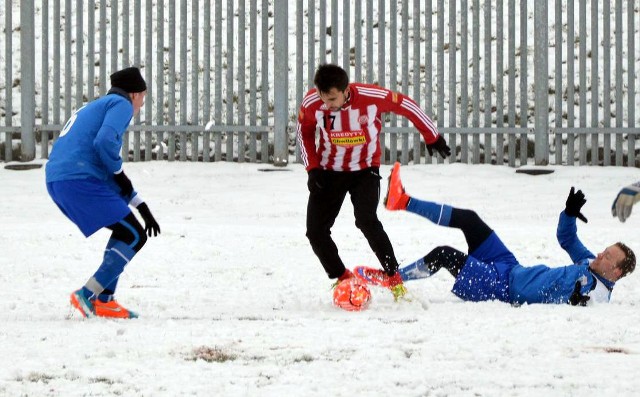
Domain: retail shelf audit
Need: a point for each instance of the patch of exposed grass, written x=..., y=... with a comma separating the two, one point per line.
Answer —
x=35, y=377
x=102, y=379
x=304, y=358
x=211, y=354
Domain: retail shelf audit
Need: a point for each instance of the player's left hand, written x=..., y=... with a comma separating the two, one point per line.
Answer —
x=440, y=146
x=577, y=299
x=150, y=224
x=574, y=203
x=126, y=188
x=626, y=198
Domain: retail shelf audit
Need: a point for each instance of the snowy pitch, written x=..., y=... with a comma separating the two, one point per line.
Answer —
x=233, y=302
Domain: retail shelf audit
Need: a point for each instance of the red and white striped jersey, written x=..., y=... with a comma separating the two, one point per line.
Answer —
x=350, y=137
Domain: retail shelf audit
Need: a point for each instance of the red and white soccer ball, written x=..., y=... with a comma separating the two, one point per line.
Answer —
x=351, y=295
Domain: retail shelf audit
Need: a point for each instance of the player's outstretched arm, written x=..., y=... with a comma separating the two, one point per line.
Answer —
x=567, y=232
x=626, y=198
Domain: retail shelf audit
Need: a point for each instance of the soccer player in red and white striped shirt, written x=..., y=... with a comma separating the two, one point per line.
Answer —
x=347, y=160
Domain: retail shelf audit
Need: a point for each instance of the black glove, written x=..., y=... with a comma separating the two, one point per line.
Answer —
x=316, y=181
x=576, y=299
x=575, y=201
x=150, y=224
x=440, y=146
x=126, y=188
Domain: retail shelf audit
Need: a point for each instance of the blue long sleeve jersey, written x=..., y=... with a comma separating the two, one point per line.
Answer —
x=90, y=143
x=542, y=284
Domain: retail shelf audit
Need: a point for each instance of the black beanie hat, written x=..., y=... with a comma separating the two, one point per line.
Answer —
x=129, y=79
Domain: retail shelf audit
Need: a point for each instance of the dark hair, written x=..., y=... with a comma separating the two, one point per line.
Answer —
x=330, y=76
x=628, y=264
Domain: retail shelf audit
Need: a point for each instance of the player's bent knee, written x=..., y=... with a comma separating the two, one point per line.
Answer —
x=142, y=240
x=470, y=216
x=316, y=235
x=445, y=256
x=369, y=225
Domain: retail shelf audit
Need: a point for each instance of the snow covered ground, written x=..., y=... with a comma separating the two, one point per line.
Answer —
x=233, y=302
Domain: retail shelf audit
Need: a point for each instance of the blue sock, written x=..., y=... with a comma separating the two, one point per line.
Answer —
x=439, y=214
x=109, y=291
x=415, y=271
x=105, y=297
x=116, y=257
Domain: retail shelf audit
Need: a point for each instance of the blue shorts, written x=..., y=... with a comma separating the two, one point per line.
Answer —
x=485, y=275
x=89, y=203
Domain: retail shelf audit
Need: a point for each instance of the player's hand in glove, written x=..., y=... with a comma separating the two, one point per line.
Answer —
x=316, y=181
x=440, y=146
x=150, y=223
x=126, y=188
x=575, y=201
x=576, y=299
x=626, y=198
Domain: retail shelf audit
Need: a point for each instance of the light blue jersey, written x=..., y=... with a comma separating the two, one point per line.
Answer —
x=83, y=161
x=543, y=284
x=90, y=143
x=492, y=272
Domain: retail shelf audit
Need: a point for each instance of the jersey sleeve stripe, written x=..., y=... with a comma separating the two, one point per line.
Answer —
x=373, y=95
x=310, y=99
x=304, y=156
x=421, y=115
x=373, y=91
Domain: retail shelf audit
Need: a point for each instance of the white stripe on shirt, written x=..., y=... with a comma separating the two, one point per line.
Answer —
x=372, y=92
x=310, y=99
x=410, y=106
x=372, y=111
x=354, y=125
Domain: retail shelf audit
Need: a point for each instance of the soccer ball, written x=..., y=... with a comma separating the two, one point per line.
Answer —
x=351, y=295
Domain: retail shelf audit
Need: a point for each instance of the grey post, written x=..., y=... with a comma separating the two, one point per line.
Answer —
x=541, y=82
x=281, y=100
x=27, y=80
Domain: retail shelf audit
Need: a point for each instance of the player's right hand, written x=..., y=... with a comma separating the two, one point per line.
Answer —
x=316, y=181
x=626, y=198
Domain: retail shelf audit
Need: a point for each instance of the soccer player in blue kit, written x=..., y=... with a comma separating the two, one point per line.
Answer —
x=491, y=272
x=85, y=179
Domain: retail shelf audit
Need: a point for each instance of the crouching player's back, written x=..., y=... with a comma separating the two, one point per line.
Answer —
x=99, y=125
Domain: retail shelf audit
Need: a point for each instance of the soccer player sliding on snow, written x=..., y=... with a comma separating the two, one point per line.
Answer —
x=347, y=160
x=86, y=181
x=491, y=272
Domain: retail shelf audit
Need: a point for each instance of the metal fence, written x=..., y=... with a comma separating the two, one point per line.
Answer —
x=508, y=82
x=206, y=63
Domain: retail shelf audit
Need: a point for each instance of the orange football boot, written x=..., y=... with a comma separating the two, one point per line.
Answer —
x=379, y=277
x=396, y=198
x=84, y=305
x=112, y=309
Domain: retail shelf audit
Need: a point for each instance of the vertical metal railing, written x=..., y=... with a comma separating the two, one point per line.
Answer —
x=470, y=64
x=172, y=44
